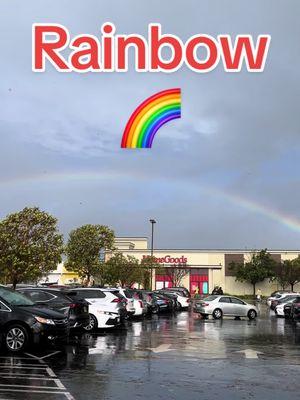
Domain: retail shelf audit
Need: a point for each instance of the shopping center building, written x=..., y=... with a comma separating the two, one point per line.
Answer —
x=204, y=268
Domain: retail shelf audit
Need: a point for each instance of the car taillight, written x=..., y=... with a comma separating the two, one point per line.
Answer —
x=116, y=300
x=141, y=303
x=74, y=305
x=205, y=304
x=187, y=300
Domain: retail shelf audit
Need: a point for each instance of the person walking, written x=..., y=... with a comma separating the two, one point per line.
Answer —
x=258, y=295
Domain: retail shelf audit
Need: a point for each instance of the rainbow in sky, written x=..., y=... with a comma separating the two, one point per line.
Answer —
x=149, y=116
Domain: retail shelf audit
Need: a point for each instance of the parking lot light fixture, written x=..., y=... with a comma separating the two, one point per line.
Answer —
x=152, y=221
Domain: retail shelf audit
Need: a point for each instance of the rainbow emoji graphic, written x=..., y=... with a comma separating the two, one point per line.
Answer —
x=149, y=116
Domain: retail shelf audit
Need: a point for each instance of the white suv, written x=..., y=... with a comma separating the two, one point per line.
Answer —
x=103, y=300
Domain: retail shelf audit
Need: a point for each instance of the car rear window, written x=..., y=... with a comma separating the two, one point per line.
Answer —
x=90, y=294
x=117, y=294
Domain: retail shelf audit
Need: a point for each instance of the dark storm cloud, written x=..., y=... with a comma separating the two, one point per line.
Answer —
x=239, y=133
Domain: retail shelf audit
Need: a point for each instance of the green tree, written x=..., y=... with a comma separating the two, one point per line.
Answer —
x=122, y=270
x=84, y=248
x=30, y=246
x=260, y=267
x=148, y=264
x=292, y=271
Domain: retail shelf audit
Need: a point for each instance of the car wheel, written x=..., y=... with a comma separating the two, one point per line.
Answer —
x=217, y=314
x=252, y=314
x=92, y=326
x=16, y=338
x=155, y=310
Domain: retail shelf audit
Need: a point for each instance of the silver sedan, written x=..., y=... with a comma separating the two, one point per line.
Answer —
x=219, y=306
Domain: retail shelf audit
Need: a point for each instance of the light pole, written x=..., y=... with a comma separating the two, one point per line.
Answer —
x=152, y=221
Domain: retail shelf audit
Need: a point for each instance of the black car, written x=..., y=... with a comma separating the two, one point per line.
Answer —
x=287, y=310
x=295, y=310
x=23, y=323
x=164, y=303
x=180, y=289
x=172, y=296
x=61, y=300
x=149, y=298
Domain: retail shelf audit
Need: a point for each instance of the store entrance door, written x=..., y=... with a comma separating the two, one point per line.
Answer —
x=199, y=281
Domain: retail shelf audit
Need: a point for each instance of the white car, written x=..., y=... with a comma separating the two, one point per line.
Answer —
x=101, y=317
x=276, y=295
x=219, y=306
x=279, y=309
x=103, y=299
x=130, y=307
x=183, y=301
x=272, y=301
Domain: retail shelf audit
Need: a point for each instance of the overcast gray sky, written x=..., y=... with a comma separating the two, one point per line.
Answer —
x=224, y=176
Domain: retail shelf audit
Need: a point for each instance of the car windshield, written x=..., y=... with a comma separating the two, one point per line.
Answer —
x=14, y=298
x=210, y=298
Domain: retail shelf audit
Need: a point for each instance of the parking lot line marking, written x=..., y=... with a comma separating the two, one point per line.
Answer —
x=35, y=357
x=49, y=355
x=59, y=384
x=4, y=385
x=69, y=396
x=25, y=365
x=32, y=377
x=66, y=394
x=39, y=368
x=50, y=372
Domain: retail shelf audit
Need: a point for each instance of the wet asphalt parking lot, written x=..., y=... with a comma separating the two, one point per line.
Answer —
x=166, y=357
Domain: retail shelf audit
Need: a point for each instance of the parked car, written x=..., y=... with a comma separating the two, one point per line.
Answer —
x=102, y=316
x=181, y=289
x=149, y=300
x=164, y=303
x=127, y=295
x=23, y=323
x=220, y=306
x=61, y=300
x=275, y=301
x=279, y=309
x=276, y=295
x=287, y=309
x=183, y=301
x=107, y=297
x=295, y=310
x=173, y=296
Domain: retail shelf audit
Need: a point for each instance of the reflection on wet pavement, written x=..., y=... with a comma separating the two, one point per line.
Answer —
x=180, y=356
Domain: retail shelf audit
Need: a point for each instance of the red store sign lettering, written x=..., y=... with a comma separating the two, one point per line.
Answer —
x=169, y=260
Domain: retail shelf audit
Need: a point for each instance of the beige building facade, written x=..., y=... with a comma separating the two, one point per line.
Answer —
x=205, y=269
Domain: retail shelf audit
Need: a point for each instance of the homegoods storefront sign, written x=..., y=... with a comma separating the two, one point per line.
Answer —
x=195, y=279
x=169, y=260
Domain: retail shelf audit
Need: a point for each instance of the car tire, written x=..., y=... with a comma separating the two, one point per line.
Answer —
x=252, y=314
x=217, y=314
x=16, y=338
x=93, y=325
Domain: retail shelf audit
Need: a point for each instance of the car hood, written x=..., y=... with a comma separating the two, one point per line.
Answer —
x=42, y=312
